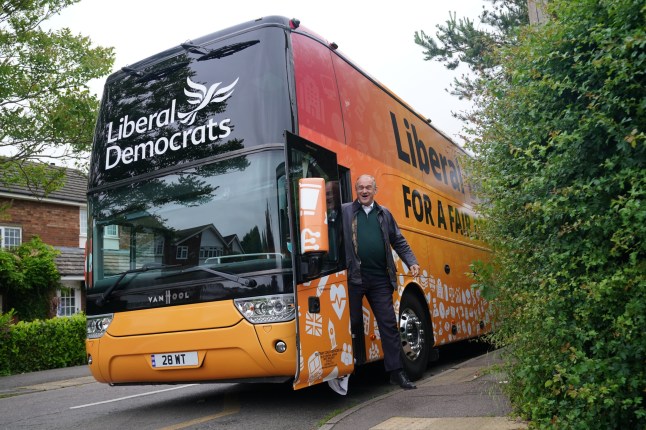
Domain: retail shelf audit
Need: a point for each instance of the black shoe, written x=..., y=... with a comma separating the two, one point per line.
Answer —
x=398, y=377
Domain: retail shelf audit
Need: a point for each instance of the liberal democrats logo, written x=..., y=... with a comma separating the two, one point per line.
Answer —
x=209, y=130
x=202, y=97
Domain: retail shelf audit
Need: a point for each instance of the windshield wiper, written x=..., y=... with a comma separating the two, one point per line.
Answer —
x=145, y=268
x=248, y=283
x=225, y=51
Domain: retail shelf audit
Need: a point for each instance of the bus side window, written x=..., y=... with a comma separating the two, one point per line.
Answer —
x=345, y=184
x=337, y=192
x=333, y=201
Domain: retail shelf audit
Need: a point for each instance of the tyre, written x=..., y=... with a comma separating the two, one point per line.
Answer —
x=416, y=336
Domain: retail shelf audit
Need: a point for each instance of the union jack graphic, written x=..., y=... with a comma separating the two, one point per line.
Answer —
x=313, y=324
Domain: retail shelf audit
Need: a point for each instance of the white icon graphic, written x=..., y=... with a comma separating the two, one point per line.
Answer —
x=315, y=367
x=313, y=324
x=338, y=297
x=203, y=97
x=424, y=279
x=309, y=197
x=346, y=355
x=331, y=332
x=376, y=327
x=309, y=243
x=373, y=352
x=366, y=321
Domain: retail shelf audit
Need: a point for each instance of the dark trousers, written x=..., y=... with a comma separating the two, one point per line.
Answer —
x=379, y=292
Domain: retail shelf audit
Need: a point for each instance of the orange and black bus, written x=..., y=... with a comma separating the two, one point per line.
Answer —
x=215, y=250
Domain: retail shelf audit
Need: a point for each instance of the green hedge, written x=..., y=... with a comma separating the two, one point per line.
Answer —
x=561, y=168
x=41, y=344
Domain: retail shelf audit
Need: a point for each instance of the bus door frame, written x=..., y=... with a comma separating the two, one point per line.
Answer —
x=323, y=335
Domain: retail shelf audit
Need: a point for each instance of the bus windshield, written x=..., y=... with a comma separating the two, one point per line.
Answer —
x=221, y=221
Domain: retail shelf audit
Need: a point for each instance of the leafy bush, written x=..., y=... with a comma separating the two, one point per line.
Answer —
x=29, y=278
x=6, y=322
x=41, y=344
x=561, y=162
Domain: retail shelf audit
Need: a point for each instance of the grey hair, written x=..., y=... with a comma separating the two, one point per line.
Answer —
x=372, y=178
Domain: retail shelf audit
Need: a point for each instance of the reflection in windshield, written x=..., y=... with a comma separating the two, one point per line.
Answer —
x=222, y=216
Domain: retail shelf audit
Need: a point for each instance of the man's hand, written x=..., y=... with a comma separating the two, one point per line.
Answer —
x=414, y=270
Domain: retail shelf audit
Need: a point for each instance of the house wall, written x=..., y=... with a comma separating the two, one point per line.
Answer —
x=56, y=224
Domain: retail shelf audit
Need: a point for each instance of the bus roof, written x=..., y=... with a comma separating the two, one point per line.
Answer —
x=287, y=23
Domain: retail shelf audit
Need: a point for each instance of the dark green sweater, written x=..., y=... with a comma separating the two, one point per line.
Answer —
x=371, y=249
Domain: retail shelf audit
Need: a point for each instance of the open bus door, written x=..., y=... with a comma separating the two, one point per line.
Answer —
x=323, y=337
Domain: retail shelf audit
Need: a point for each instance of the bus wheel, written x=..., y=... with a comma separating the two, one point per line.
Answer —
x=415, y=335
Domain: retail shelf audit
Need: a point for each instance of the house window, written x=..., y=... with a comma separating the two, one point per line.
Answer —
x=210, y=251
x=10, y=237
x=82, y=227
x=111, y=231
x=159, y=245
x=67, y=304
x=182, y=252
x=83, y=221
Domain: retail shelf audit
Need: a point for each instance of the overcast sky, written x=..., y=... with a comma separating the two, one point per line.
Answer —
x=378, y=37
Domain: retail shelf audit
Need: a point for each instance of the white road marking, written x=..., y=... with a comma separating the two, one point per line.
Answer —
x=133, y=396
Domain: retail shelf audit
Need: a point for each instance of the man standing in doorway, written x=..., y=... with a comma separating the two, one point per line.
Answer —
x=369, y=233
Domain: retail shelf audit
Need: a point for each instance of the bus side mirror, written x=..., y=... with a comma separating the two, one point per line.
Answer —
x=313, y=224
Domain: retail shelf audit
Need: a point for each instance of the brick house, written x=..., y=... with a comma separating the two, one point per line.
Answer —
x=60, y=220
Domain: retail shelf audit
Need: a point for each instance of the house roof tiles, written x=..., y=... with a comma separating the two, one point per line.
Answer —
x=74, y=190
x=71, y=261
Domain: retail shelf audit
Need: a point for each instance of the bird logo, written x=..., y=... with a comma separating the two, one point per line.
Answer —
x=202, y=97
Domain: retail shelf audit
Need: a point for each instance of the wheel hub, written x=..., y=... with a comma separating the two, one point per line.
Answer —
x=411, y=333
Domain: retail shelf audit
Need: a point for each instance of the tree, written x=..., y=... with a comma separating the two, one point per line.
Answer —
x=46, y=109
x=560, y=159
x=459, y=41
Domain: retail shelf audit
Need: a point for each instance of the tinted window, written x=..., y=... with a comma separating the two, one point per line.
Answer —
x=193, y=104
x=221, y=214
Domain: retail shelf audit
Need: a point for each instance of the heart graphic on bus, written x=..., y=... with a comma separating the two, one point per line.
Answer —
x=338, y=297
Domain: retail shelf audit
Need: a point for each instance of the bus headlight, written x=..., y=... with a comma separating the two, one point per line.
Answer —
x=97, y=325
x=268, y=309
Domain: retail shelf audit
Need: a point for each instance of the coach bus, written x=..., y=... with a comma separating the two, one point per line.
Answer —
x=214, y=249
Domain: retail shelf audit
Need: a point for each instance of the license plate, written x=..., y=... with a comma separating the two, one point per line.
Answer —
x=174, y=359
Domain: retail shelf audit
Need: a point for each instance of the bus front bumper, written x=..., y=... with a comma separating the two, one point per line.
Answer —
x=240, y=352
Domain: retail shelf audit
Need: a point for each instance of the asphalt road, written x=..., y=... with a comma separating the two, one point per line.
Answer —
x=86, y=404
